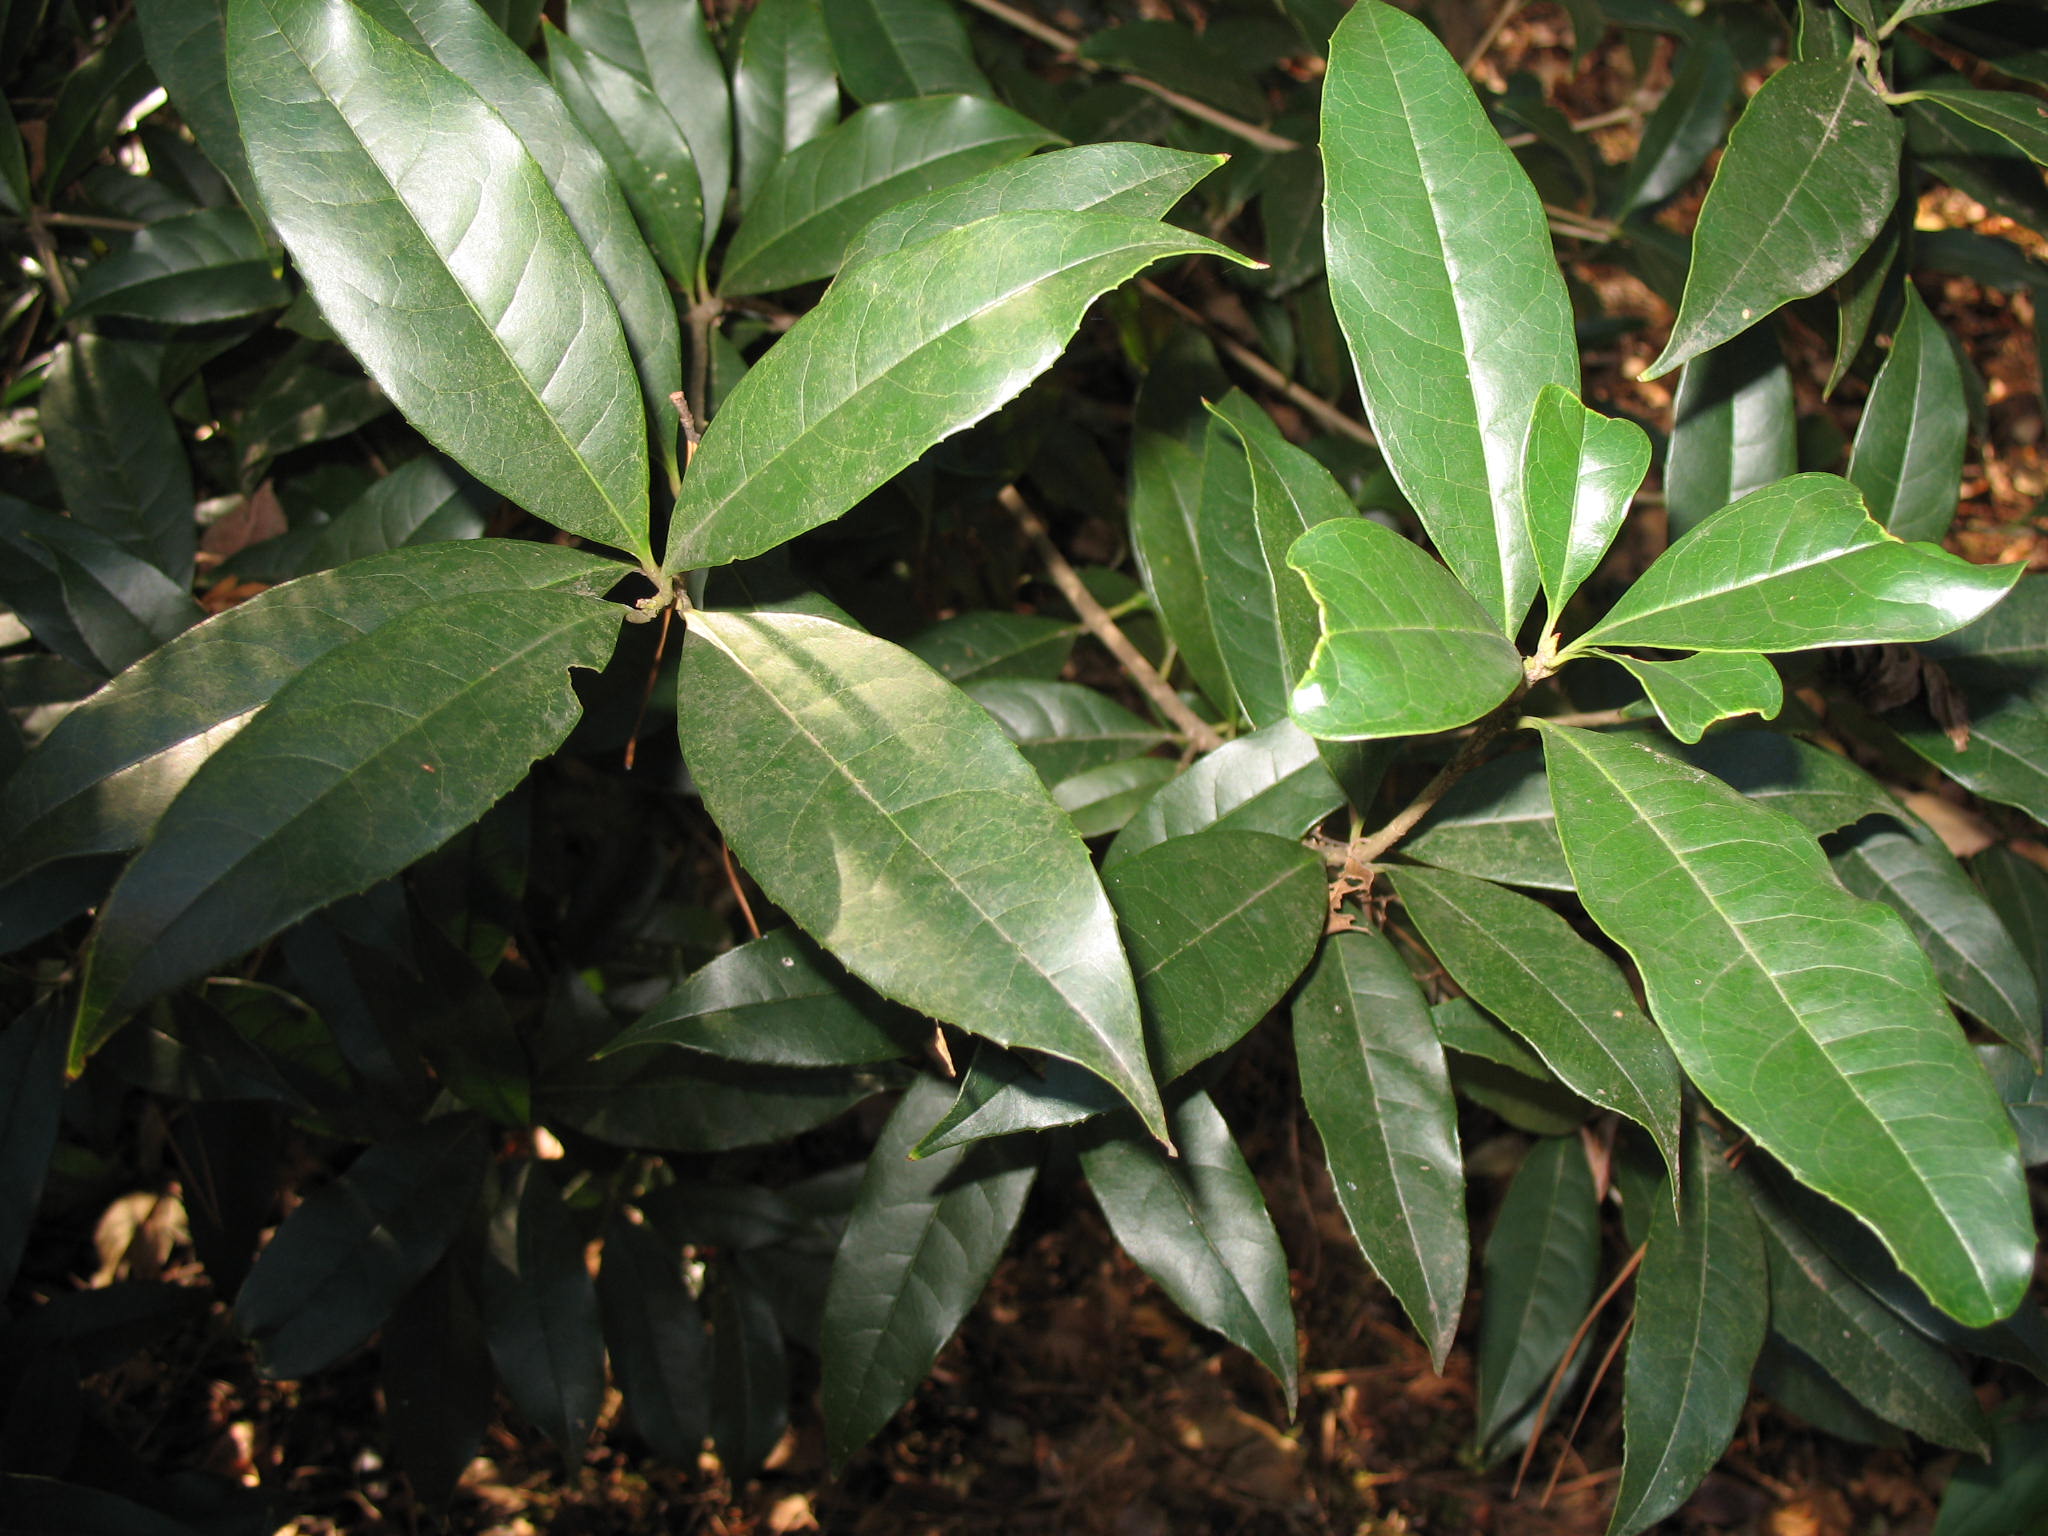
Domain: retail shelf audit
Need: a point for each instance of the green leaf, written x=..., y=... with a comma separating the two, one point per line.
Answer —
x=94, y=98
x=186, y=42
x=1197, y=1224
x=1734, y=428
x=891, y=49
x=1165, y=503
x=1794, y=566
x=1443, y=277
x=2012, y=115
x=1886, y=1366
x=440, y=1392
x=822, y=192
x=668, y=49
x=2025, y=1092
x=1694, y=692
x=885, y=812
x=1063, y=728
x=1003, y=1092
x=346, y=777
x=15, y=195
x=299, y=403
x=784, y=90
x=1980, y=968
x=1541, y=1264
x=1751, y=952
x=1218, y=926
x=540, y=1312
x=2017, y=889
x=1867, y=286
x=1374, y=1081
x=353, y=1247
x=1405, y=650
x=1236, y=586
x=189, y=270
x=749, y=1372
x=2011, y=1494
x=1173, y=55
x=987, y=644
x=1684, y=129
x=1140, y=181
x=778, y=1001
x=2007, y=756
x=899, y=354
x=1523, y=964
x=116, y=453
x=922, y=1241
x=100, y=780
x=672, y=1101
x=1810, y=174
x=1103, y=800
x=524, y=376
x=1268, y=781
x=31, y=1095
x=1580, y=471
x=1702, y=1302
x=643, y=147
x=44, y=1503
x=1908, y=460
x=427, y=501
x=108, y=608
x=468, y=42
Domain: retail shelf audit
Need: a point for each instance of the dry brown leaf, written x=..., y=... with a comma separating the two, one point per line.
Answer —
x=259, y=517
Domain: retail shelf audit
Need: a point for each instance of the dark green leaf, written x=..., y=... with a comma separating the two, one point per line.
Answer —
x=1165, y=502
x=300, y=403
x=2025, y=1091
x=186, y=41
x=901, y=353
x=31, y=1091
x=2012, y=115
x=1218, y=926
x=1103, y=800
x=45, y=1504
x=1236, y=585
x=1405, y=650
x=1269, y=781
x=203, y=266
x=1797, y=565
x=1694, y=692
x=1867, y=286
x=1734, y=428
x=1522, y=963
x=1702, y=1300
x=1497, y=823
x=1810, y=174
x=116, y=453
x=1542, y=1262
x=352, y=1248
x=1750, y=951
x=669, y=1101
x=1580, y=471
x=1003, y=1092
x=1975, y=959
x=1291, y=215
x=784, y=92
x=922, y=1241
x=540, y=1311
x=94, y=98
x=823, y=191
x=1062, y=728
x=1684, y=129
x=427, y=501
x=524, y=378
x=891, y=49
x=348, y=776
x=2009, y=1495
x=1374, y=1081
x=988, y=644
x=1171, y=54
x=440, y=1392
x=84, y=596
x=1197, y=1224
x=946, y=877
x=749, y=1372
x=779, y=1001
x=1908, y=460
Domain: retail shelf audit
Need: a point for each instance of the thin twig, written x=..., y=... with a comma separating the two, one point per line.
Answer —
x=1565, y=222
x=1626, y=113
x=1462, y=762
x=1585, y=1404
x=1585, y=719
x=1635, y=1262
x=732, y=878
x=1198, y=731
x=88, y=221
x=1490, y=36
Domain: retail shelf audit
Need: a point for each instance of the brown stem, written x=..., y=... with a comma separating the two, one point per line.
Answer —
x=1365, y=850
x=1198, y=731
x=1592, y=1316
x=1491, y=35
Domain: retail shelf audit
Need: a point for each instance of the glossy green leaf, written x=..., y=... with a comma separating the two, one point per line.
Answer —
x=886, y=813
x=1886, y=1366
x=1980, y=968
x=1497, y=823
x=2007, y=756
x=1236, y=586
x=1103, y=800
x=346, y=777
x=1197, y=1224
x=778, y=1001
x=1865, y=288
x=643, y=146
x=1218, y=926
x=299, y=403
x=1908, y=460
x=1685, y=127
x=540, y=1313
x=427, y=501
x=524, y=378
x=116, y=452
x=899, y=354
x=1751, y=952
x=2011, y=1494
x=1692, y=693
x=891, y=49
x=1797, y=565
x=189, y=270
x=1448, y=292
x=471, y=44
x=99, y=781
x=1165, y=503
x=784, y=89
x=987, y=644
x=1405, y=650
x=349, y=1251
x=825, y=190
x=1003, y=1092
x=2012, y=115
x=1374, y=1081
x=1140, y=181
x=1268, y=781
x=1580, y=471
x=1734, y=428
x=93, y=99
x=675, y=1101
x=84, y=596
x=1523, y=964
x=1810, y=174
x=1702, y=1303
x=1540, y=1267
x=922, y=1241
x=186, y=42
x=1063, y=728
x=669, y=50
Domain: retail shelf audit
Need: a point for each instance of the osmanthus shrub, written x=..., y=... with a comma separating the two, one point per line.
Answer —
x=282, y=867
